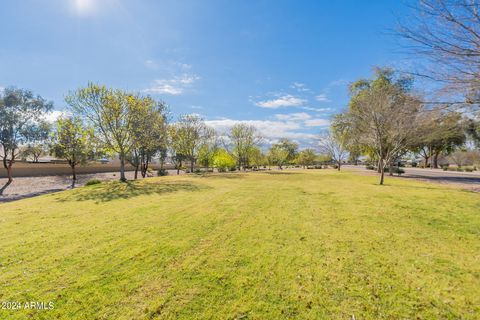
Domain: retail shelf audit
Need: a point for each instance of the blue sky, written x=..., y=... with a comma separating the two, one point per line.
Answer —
x=282, y=65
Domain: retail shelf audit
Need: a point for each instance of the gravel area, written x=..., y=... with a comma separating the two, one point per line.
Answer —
x=26, y=187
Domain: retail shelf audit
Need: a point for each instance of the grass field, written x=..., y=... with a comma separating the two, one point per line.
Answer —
x=280, y=245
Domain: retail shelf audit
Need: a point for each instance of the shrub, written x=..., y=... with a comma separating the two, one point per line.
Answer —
x=233, y=169
x=223, y=161
x=468, y=169
x=197, y=170
x=162, y=172
x=414, y=164
x=460, y=169
x=93, y=182
x=370, y=167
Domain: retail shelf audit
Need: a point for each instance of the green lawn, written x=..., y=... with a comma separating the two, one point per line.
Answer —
x=313, y=244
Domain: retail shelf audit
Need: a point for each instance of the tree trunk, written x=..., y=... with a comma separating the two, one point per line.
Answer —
x=178, y=168
x=380, y=161
x=74, y=175
x=122, y=168
x=9, y=175
x=339, y=165
x=425, y=162
x=435, y=160
x=136, y=172
x=191, y=165
x=382, y=173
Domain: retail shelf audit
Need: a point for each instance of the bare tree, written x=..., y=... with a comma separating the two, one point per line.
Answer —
x=447, y=34
x=332, y=145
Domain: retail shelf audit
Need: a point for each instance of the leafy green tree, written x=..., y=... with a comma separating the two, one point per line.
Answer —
x=188, y=135
x=109, y=112
x=438, y=133
x=278, y=156
x=209, y=147
x=223, y=160
x=282, y=153
x=21, y=112
x=306, y=157
x=148, y=131
x=73, y=143
x=257, y=158
x=243, y=139
x=289, y=146
x=37, y=146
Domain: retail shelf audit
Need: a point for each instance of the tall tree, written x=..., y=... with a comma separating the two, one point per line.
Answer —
x=109, y=112
x=277, y=156
x=209, y=147
x=438, y=133
x=383, y=116
x=306, y=157
x=148, y=131
x=73, y=143
x=243, y=138
x=21, y=112
x=188, y=134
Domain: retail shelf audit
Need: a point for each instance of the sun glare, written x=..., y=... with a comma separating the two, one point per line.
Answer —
x=84, y=6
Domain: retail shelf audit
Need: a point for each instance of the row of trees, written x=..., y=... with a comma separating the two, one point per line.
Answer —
x=105, y=122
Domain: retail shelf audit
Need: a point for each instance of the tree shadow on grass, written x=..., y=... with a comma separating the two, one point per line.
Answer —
x=110, y=191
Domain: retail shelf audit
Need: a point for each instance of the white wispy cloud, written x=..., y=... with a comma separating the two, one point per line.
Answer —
x=317, y=122
x=54, y=115
x=175, y=86
x=322, y=98
x=287, y=100
x=269, y=130
x=317, y=109
x=301, y=87
x=196, y=107
x=293, y=116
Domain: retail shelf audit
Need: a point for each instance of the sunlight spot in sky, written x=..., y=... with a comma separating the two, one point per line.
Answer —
x=83, y=7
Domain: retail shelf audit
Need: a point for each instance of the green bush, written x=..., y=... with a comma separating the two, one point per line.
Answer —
x=468, y=169
x=233, y=169
x=92, y=182
x=370, y=167
x=162, y=172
